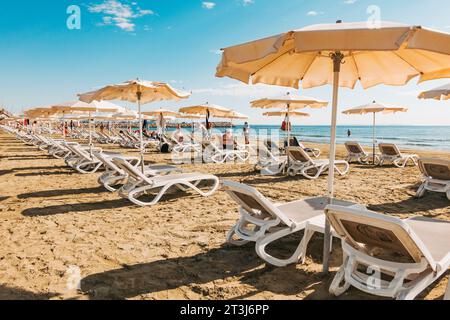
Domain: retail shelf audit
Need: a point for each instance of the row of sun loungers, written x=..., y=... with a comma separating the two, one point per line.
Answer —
x=389, y=153
x=382, y=255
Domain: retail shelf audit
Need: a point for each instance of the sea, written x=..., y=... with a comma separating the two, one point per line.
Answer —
x=412, y=137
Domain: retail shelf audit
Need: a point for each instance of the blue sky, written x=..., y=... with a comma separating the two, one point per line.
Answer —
x=43, y=62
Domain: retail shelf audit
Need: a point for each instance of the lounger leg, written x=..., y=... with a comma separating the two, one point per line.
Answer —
x=305, y=241
x=448, y=194
x=261, y=244
x=236, y=242
x=421, y=191
x=336, y=288
x=447, y=292
x=416, y=287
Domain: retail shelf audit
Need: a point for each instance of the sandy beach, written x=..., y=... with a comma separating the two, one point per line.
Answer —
x=59, y=226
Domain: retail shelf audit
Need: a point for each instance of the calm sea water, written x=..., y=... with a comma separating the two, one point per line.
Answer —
x=413, y=137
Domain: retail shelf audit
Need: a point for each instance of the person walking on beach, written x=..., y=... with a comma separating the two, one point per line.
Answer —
x=247, y=133
x=349, y=133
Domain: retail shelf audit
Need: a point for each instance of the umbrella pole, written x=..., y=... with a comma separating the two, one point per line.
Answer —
x=90, y=133
x=373, y=134
x=141, y=135
x=337, y=60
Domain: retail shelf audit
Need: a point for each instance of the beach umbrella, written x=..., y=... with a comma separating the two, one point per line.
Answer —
x=374, y=108
x=137, y=91
x=234, y=115
x=190, y=117
x=340, y=54
x=441, y=93
x=290, y=102
x=89, y=108
x=282, y=113
x=208, y=110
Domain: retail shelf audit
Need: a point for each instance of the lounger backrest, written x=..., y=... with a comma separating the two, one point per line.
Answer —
x=107, y=162
x=365, y=230
x=389, y=149
x=354, y=147
x=298, y=154
x=252, y=201
x=435, y=168
x=271, y=145
x=133, y=172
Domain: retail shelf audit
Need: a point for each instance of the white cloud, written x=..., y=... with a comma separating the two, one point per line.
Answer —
x=243, y=90
x=350, y=1
x=314, y=13
x=119, y=14
x=248, y=2
x=208, y=5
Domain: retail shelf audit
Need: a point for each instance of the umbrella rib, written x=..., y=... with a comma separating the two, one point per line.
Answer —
x=310, y=65
x=409, y=64
x=270, y=62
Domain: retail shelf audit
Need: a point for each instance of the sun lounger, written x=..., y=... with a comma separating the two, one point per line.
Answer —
x=212, y=153
x=139, y=184
x=269, y=163
x=387, y=256
x=114, y=176
x=263, y=222
x=391, y=153
x=355, y=152
x=436, y=176
x=81, y=158
x=312, y=152
x=301, y=162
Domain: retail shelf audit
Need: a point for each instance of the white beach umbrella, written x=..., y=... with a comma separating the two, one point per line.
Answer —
x=74, y=107
x=208, y=110
x=140, y=92
x=340, y=54
x=290, y=102
x=282, y=113
x=374, y=108
x=441, y=93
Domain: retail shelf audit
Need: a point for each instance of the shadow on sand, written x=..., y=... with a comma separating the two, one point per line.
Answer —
x=217, y=264
x=61, y=192
x=76, y=207
x=8, y=293
x=431, y=201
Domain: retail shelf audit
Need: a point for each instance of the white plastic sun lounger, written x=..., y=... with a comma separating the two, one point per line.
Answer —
x=391, y=153
x=436, y=176
x=387, y=256
x=355, y=152
x=268, y=163
x=81, y=159
x=302, y=163
x=113, y=176
x=139, y=184
x=212, y=153
x=263, y=222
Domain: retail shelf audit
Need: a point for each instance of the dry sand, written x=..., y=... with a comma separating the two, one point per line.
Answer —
x=58, y=226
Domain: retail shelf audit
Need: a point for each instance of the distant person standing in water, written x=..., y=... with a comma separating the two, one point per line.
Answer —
x=247, y=133
x=349, y=133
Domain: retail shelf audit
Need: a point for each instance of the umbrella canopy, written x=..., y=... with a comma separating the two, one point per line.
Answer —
x=139, y=91
x=291, y=101
x=374, y=108
x=441, y=93
x=163, y=112
x=203, y=109
x=340, y=54
x=95, y=106
x=235, y=115
x=282, y=113
x=150, y=91
x=391, y=53
x=190, y=116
